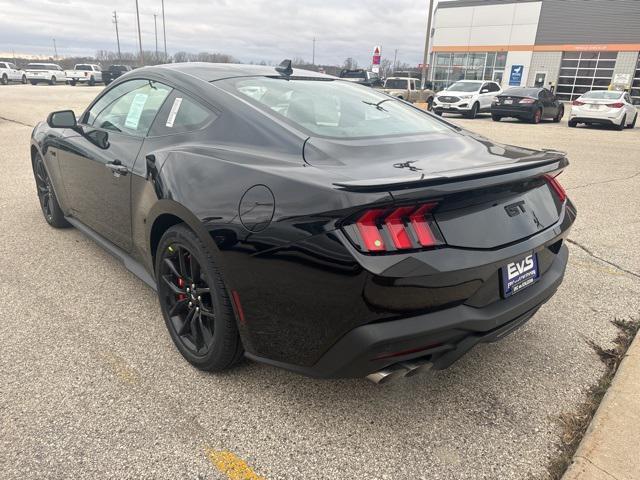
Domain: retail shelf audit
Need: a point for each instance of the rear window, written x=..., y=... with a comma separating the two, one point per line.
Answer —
x=353, y=75
x=83, y=68
x=38, y=66
x=522, y=92
x=396, y=84
x=333, y=108
x=603, y=95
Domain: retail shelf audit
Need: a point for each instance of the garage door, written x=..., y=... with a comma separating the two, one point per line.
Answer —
x=584, y=71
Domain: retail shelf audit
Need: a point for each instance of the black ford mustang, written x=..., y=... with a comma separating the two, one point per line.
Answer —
x=304, y=221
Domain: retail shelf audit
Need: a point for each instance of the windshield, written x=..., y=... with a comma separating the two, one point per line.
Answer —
x=465, y=87
x=41, y=66
x=83, y=68
x=603, y=95
x=396, y=84
x=333, y=108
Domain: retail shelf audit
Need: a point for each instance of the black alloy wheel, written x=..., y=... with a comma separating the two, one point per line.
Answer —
x=48, y=202
x=194, y=302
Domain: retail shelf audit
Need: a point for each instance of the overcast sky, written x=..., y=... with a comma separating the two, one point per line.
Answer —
x=251, y=30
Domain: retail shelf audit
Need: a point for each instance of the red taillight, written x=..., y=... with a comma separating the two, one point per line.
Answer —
x=615, y=105
x=404, y=228
x=559, y=189
x=368, y=228
x=527, y=100
x=577, y=103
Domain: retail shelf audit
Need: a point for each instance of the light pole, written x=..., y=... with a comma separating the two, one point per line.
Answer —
x=425, y=60
x=155, y=27
x=55, y=49
x=115, y=20
x=164, y=34
x=139, y=34
x=313, y=61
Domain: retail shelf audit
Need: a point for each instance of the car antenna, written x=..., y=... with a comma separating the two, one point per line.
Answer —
x=285, y=68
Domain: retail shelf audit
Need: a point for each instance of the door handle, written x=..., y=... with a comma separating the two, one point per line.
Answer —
x=117, y=168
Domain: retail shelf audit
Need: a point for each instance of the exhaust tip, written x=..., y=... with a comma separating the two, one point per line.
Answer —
x=416, y=368
x=387, y=375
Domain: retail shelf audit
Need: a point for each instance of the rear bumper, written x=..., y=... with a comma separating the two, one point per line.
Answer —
x=606, y=118
x=442, y=336
x=522, y=112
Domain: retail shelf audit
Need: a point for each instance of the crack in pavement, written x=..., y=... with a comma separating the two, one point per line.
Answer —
x=17, y=121
x=596, y=466
x=614, y=265
x=604, y=181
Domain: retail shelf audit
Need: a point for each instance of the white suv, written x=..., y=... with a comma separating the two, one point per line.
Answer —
x=44, y=72
x=468, y=97
x=9, y=73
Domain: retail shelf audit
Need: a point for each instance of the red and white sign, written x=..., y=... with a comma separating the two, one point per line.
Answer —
x=377, y=53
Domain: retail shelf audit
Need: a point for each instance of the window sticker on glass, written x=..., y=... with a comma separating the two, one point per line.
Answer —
x=135, y=111
x=174, y=112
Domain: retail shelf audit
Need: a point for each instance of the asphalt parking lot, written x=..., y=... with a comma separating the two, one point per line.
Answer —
x=91, y=385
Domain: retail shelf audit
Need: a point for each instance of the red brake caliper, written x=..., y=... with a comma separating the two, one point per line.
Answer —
x=181, y=296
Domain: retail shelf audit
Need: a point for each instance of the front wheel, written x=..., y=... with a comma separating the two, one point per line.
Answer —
x=474, y=111
x=4, y=79
x=72, y=83
x=195, y=302
x=429, y=104
x=52, y=81
x=559, y=116
x=633, y=124
x=537, y=116
x=496, y=118
x=33, y=83
x=24, y=79
x=573, y=123
x=48, y=202
x=92, y=81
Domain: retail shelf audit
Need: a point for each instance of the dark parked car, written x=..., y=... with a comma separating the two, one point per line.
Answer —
x=306, y=222
x=530, y=104
x=113, y=72
x=363, y=77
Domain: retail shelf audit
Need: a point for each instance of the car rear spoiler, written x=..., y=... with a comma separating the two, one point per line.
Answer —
x=548, y=164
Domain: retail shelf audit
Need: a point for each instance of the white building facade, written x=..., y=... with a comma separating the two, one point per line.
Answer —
x=570, y=45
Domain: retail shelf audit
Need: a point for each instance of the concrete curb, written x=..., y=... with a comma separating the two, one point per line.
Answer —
x=609, y=449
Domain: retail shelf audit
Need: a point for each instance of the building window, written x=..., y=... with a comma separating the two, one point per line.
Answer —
x=635, y=87
x=584, y=71
x=451, y=67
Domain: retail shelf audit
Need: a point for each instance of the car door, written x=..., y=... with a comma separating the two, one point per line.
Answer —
x=14, y=73
x=96, y=161
x=486, y=96
x=549, y=108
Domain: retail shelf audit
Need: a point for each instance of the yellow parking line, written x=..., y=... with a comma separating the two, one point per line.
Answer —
x=232, y=466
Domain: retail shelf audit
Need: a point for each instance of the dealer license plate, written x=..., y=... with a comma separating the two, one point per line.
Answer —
x=508, y=102
x=518, y=275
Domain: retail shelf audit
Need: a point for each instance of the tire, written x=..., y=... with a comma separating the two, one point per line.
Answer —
x=496, y=118
x=438, y=112
x=72, y=83
x=52, y=81
x=209, y=341
x=429, y=104
x=33, y=83
x=4, y=80
x=107, y=82
x=633, y=124
x=48, y=202
x=622, y=125
x=92, y=81
x=24, y=79
x=537, y=116
x=559, y=116
x=573, y=123
x=474, y=111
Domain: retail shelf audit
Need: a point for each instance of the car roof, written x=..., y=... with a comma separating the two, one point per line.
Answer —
x=210, y=72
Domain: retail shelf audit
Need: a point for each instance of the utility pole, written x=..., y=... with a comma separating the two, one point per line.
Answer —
x=395, y=60
x=426, y=44
x=55, y=49
x=313, y=61
x=115, y=20
x=139, y=34
x=155, y=27
x=164, y=34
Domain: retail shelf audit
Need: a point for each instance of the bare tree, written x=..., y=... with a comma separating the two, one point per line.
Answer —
x=350, y=64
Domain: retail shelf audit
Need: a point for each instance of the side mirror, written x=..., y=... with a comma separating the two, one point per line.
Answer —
x=484, y=90
x=99, y=138
x=62, y=119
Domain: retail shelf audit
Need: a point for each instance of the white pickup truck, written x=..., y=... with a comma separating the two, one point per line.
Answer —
x=9, y=73
x=84, y=73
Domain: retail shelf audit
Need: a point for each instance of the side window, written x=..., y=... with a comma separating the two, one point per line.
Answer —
x=2, y=65
x=134, y=111
x=494, y=87
x=181, y=114
x=110, y=96
x=11, y=65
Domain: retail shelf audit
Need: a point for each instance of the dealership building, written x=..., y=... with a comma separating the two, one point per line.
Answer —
x=570, y=45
